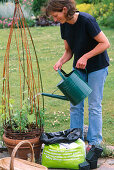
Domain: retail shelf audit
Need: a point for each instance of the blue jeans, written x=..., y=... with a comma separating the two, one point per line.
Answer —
x=96, y=81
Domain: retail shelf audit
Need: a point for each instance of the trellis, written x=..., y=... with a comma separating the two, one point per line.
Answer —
x=28, y=71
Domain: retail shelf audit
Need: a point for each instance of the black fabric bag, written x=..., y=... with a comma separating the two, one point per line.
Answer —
x=67, y=136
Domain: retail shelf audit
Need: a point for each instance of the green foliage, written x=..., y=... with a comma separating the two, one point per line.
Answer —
x=108, y=21
x=103, y=12
x=3, y=1
x=88, y=8
x=24, y=118
x=36, y=7
x=107, y=1
x=20, y=1
x=107, y=152
x=94, y=1
x=88, y=1
x=30, y=22
x=6, y=23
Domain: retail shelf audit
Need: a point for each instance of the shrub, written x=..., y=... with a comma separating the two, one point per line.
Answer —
x=30, y=22
x=108, y=21
x=3, y=0
x=102, y=12
x=88, y=1
x=106, y=151
x=5, y=22
x=85, y=8
x=36, y=7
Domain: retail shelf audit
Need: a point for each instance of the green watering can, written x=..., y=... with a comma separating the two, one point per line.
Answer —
x=72, y=86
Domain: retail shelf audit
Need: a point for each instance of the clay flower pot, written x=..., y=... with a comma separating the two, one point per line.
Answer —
x=24, y=150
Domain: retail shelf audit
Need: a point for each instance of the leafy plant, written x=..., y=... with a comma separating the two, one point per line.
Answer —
x=103, y=12
x=85, y=8
x=23, y=120
x=30, y=22
x=107, y=21
x=36, y=7
x=3, y=1
x=107, y=152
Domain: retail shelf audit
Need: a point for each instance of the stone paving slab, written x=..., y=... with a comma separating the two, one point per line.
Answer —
x=105, y=164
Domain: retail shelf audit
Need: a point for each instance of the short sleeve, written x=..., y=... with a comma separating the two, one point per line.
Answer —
x=62, y=29
x=92, y=27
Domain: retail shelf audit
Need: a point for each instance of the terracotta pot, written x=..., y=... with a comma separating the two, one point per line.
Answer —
x=24, y=150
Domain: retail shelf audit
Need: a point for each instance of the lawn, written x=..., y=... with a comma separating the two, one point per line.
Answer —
x=49, y=47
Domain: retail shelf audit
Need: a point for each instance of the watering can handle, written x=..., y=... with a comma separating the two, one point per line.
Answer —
x=62, y=76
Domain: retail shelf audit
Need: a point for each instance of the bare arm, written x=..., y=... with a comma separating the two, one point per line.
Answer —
x=66, y=57
x=103, y=44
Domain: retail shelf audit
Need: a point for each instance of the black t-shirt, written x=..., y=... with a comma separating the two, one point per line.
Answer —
x=80, y=37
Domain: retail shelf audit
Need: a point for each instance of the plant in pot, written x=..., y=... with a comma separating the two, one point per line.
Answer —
x=22, y=109
x=21, y=125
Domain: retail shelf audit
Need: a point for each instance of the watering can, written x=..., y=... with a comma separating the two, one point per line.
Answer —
x=72, y=86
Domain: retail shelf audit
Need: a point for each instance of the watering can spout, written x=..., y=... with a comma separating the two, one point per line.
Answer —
x=55, y=96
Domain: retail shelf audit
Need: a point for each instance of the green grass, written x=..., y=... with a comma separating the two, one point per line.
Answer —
x=49, y=48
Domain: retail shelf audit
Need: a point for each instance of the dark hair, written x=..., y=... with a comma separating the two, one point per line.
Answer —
x=58, y=5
